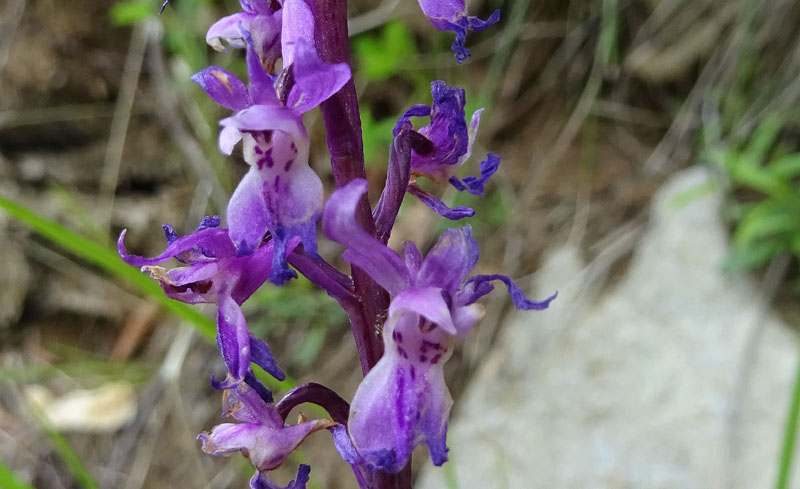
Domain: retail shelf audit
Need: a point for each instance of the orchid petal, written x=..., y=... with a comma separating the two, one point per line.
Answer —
x=479, y=285
x=298, y=24
x=256, y=6
x=243, y=403
x=233, y=338
x=228, y=137
x=475, y=185
x=271, y=118
x=412, y=257
x=449, y=262
x=434, y=415
x=223, y=87
x=428, y=303
x=465, y=317
x=404, y=121
x=451, y=15
x=363, y=249
x=382, y=416
x=262, y=91
x=251, y=272
x=266, y=34
x=315, y=80
x=213, y=239
x=447, y=131
x=261, y=355
x=439, y=207
x=261, y=481
x=227, y=29
x=247, y=213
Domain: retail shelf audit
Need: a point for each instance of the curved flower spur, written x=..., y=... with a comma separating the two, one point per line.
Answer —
x=403, y=401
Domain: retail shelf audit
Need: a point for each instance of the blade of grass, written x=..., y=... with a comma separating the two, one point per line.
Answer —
x=64, y=450
x=10, y=480
x=789, y=435
x=29, y=374
x=108, y=260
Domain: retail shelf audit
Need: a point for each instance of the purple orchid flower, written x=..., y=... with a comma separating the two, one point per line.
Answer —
x=452, y=140
x=262, y=20
x=261, y=436
x=403, y=401
x=281, y=192
x=451, y=15
x=216, y=273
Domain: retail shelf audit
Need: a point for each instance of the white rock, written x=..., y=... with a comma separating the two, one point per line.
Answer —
x=106, y=408
x=650, y=386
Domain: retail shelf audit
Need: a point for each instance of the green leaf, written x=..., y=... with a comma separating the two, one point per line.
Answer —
x=750, y=256
x=786, y=167
x=381, y=57
x=127, y=13
x=692, y=194
x=767, y=219
x=762, y=139
x=10, y=480
x=108, y=260
x=377, y=137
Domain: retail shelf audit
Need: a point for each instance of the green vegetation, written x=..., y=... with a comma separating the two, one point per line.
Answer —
x=767, y=213
x=10, y=480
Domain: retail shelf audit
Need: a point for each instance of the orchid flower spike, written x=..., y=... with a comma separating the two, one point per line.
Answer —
x=215, y=273
x=451, y=15
x=403, y=401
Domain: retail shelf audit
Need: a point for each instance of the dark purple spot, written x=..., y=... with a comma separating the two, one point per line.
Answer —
x=266, y=160
x=258, y=150
x=399, y=336
x=402, y=352
x=423, y=358
x=436, y=359
x=196, y=287
x=294, y=148
x=277, y=182
x=413, y=372
x=426, y=326
x=288, y=165
x=400, y=399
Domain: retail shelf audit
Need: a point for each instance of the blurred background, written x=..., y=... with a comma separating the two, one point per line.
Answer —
x=593, y=106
